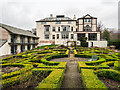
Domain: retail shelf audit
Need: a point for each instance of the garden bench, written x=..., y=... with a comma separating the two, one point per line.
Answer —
x=94, y=58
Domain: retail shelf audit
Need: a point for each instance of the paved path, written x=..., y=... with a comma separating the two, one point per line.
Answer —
x=72, y=77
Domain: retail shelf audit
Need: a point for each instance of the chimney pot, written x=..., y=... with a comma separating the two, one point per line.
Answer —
x=51, y=15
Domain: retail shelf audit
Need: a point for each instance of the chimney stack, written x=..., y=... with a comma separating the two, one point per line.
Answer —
x=74, y=17
x=51, y=15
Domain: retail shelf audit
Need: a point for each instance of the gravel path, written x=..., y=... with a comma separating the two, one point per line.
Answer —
x=72, y=77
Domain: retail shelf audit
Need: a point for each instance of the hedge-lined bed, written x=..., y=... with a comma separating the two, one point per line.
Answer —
x=90, y=80
x=34, y=64
x=101, y=72
x=54, y=80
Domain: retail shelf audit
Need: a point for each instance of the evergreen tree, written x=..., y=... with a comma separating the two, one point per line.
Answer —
x=106, y=35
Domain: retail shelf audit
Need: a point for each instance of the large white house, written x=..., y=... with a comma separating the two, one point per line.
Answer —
x=61, y=29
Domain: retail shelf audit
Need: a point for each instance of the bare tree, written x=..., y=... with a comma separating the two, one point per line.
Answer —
x=100, y=26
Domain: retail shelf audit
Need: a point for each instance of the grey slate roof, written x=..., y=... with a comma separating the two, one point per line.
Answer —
x=56, y=19
x=15, y=30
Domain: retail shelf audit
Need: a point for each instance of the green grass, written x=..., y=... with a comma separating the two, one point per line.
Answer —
x=45, y=46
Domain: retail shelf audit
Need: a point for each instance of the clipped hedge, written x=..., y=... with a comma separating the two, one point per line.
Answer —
x=117, y=65
x=54, y=80
x=82, y=65
x=109, y=73
x=61, y=65
x=101, y=60
x=90, y=80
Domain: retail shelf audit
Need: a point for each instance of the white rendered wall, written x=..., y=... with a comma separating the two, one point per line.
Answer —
x=98, y=43
x=5, y=49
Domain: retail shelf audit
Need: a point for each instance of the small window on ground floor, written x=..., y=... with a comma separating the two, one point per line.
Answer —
x=53, y=37
x=46, y=36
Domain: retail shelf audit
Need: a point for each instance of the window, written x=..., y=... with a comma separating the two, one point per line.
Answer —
x=67, y=36
x=46, y=28
x=28, y=47
x=80, y=35
x=92, y=36
x=22, y=48
x=33, y=40
x=53, y=29
x=64, y=28
x=53, y=36
x=46, y=36
x=57, y=36
x=22, y=39
x=71, y=28
x=87, y=20
x=63, y=36
x=69, y=22
x=87, y=28
x=43, y=22
x=28, y=39
x=58, y=28
x=72, y=37
x=58, y=22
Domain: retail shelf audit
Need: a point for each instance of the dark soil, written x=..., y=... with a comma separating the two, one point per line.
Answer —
x=13, y=60
x=5, y=56
x=111, y=67
x=111, y=84
x=9, y=69
x=30, y=84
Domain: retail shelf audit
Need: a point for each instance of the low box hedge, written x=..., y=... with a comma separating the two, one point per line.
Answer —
x=82, y=65
x=101, y=60
x=90, y=80
x=61, y=65
x=54, y=80
x=109, y=73
x=117, y=65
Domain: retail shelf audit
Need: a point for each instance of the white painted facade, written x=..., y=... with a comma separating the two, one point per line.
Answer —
x=60, y=26
x=13, y=45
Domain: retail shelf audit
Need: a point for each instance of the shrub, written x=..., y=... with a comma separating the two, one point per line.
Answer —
x=117, y=65
x=84, y=44
x=90, y=80
x=46, y=48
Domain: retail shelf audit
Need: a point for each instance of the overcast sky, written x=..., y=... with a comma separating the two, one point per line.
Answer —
x=24, y=13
